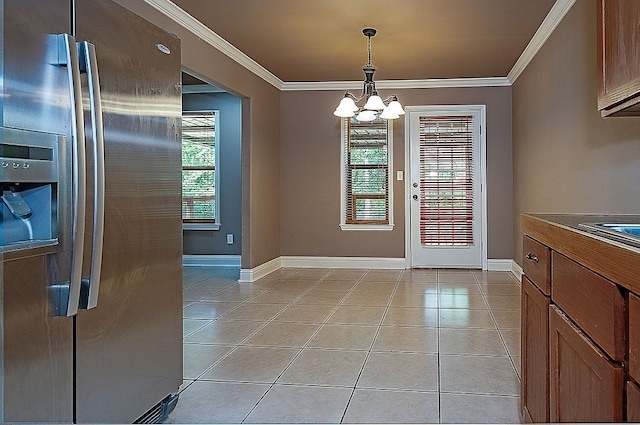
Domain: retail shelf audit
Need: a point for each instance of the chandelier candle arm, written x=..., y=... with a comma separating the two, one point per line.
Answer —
x=374, y=107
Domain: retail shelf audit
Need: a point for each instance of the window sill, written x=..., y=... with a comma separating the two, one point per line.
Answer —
x=201, y=226
x=375, y=227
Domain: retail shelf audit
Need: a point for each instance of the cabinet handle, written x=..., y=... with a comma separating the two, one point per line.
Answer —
x=531, y=257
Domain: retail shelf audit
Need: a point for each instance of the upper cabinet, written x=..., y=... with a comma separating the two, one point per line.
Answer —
x=619, y=57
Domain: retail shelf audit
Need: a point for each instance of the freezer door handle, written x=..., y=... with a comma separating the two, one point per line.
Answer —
x=89, y=64
x=67, y=294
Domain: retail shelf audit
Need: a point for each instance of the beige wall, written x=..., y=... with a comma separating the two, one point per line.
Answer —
x=260, y=139
x=310, y=174
x=567, y=159
x=291, y=159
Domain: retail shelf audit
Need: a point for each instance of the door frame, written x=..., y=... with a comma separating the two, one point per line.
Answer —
x=412, y=112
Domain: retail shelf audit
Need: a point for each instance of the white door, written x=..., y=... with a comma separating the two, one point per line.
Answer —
x=446, y=166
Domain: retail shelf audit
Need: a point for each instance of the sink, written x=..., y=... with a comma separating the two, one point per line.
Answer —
x=630, y=229
x=621, y=232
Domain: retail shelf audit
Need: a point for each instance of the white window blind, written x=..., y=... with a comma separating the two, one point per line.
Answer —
x=366, y=162
x=199, y=167
x=446, y=181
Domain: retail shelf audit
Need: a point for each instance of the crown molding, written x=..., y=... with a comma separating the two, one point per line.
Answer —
x=190, y=23
x=182, y=18
x=399, y=84
x=201, y=88
x=556, y=14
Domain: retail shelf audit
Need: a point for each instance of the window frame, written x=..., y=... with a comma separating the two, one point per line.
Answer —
x=344, y=140
x=216, y=224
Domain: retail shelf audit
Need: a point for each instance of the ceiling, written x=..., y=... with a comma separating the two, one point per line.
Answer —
x=322, y=40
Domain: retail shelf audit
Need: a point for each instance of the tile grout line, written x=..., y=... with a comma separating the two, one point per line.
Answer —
x=375, y=337
x=439, y=366
x=497, y=327
x=236, y=345
x=197, y=378
x=265, y=324
x=305, y=344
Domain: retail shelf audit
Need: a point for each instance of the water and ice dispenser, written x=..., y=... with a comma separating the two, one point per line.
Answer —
x=30, y=179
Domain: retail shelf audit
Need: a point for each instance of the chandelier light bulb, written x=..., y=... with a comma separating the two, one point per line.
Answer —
x=374, y=103
x=389, y=113
x=366, y=116
x=343, y=113
x=396, y=107
x=347, y=103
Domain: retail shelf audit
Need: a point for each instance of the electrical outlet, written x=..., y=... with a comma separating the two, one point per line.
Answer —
x=230, y=239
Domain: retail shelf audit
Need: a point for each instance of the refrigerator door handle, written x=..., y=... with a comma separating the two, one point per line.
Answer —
x=89, y=64
x=67, y=294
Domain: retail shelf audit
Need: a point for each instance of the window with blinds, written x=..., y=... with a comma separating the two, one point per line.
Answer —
x=199, y=167
x=366, y=172
x=446, y=181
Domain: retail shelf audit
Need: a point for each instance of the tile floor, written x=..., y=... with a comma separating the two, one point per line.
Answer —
x=350, y=346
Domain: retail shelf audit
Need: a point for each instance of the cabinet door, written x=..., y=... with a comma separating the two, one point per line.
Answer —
x=585, y=386
x=634, y=337
x=633, y=402
x=619, y=57
x=535, y=353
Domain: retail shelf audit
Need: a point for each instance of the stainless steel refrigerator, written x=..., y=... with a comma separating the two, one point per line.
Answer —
x=90, y=227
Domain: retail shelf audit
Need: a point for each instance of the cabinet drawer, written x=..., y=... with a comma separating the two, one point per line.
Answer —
x=585, y=386
x=634, y=336
x=595, y=304
x=633, y=402
x=536, y=263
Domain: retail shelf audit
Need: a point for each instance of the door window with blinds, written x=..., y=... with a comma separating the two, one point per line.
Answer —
x=366, y=179
x=446, y=181
x=199, y=168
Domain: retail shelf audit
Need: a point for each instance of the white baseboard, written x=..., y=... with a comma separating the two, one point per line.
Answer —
x=211, y=260
x=499, y=265
x=344, y=262
x=505, y=266
x=251, y=275
x=517, y=271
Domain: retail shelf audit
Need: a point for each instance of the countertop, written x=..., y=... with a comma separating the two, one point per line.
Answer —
x=616, y=261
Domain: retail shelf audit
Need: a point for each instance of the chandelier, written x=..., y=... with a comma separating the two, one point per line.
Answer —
x=374, y=107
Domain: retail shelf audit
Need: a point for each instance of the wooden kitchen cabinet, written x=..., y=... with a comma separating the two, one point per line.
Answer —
x=585, y=385
x=592, y=344
x=535, y=353
x=619, y=57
